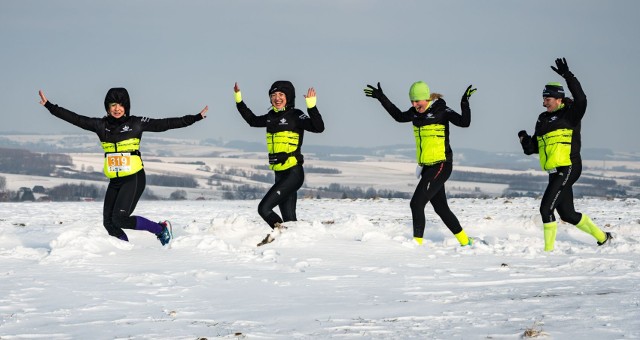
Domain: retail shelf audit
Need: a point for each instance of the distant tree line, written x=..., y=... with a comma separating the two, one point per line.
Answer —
x=242, y=192
x=485, y=177
x=231, y=175
x=75, y=192
x=307, y=169
x=534, y=185
x=18, y=161
x=172, y=181
x=67, y=192
x=335, y=190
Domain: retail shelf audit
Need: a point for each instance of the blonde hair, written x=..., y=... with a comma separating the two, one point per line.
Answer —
x=435, y=96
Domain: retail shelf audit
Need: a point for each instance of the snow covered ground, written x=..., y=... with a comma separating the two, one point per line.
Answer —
x=348, y=269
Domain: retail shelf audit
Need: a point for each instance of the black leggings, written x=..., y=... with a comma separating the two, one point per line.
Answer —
x=120, y=200
x=431, y=189
x=559, y=195
x=283, y=194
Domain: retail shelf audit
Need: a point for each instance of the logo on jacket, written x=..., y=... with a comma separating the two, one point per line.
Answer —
x=553, y=118
x=283, y=121
x=126, y=128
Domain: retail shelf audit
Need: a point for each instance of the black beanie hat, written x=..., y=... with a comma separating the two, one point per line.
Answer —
x=118, y=95
x=554, y=90
x=287, y=88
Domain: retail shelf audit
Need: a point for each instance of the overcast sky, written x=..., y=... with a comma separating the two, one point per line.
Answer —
x=175, y=57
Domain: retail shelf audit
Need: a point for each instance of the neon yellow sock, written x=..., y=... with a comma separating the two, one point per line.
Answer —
x=587, y=225
x=550, y=230
x=418, y=240
x=462, y=238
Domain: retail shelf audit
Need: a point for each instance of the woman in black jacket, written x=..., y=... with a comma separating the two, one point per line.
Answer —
x=430, y=116
x=120, y=135
x=285, y=132
x=557, y=140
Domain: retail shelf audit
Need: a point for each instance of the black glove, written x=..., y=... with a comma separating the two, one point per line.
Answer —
x=562, y=68
x=523, y=134
x=278, y=158
x=373, y=92
x=468, y=93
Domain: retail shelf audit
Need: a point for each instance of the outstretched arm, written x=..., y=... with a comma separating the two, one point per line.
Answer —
x=394, y=111
x=579, y=98
x=245, y=112
x=83, y=122
x=164, y=124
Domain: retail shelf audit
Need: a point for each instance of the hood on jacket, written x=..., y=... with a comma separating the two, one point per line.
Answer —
x=118, y=95
x=287, y=88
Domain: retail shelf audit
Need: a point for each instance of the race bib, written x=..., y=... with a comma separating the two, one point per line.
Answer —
x=119, y=162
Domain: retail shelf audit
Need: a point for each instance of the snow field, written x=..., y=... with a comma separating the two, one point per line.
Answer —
x=348, y=268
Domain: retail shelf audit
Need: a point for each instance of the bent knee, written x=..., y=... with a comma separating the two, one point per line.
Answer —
x=263, y=209
x=120, y=220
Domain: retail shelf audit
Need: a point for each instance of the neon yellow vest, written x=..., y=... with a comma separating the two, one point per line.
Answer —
x=119, y=158
x=283, y=141
x=555, y=149
x=430, y=144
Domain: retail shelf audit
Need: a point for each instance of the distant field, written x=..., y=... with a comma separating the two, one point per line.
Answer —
x=380, y=170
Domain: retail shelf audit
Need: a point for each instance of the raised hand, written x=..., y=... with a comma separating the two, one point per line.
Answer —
x=373, y=92
x=43, y=99
x=203, y=113
x=310, y=93
x=237, y=95
x=468, y=92
x=561, y=67
x=310, y=97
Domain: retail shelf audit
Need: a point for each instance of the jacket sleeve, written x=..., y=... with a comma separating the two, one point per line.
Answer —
x=83, y=122
x=164, y=124
x=461, y=120
x=394, y=111
x=249, y=117
x=579, y=105
x=314, y=122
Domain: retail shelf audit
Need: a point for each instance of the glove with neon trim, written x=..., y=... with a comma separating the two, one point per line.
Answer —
x=468, y=93
x=373, y=92
x=237, y=95
x=562, y=68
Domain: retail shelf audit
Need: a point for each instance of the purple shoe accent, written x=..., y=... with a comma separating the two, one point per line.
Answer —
x=150, y=226
x=124, y=237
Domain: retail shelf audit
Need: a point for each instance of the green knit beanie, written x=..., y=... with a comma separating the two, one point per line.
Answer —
x=419, y=91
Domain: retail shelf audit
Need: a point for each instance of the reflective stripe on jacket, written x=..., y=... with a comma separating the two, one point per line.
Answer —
x=430, y=144
x=122, y=158
x=555, y=149
x=283, y=142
